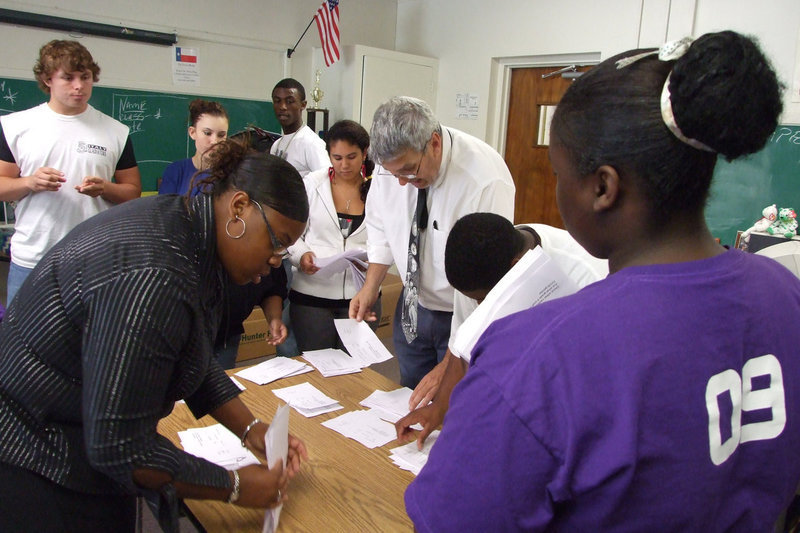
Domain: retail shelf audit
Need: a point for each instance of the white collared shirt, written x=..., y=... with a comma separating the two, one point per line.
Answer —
x=472, y=178
x=303, y=149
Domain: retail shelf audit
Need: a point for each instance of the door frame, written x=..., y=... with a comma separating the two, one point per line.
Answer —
x=500, y=87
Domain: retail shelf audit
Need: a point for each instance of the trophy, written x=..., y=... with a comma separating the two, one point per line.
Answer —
x=316, y=92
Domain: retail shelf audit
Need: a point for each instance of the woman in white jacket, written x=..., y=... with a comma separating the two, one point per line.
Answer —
x=336, y=198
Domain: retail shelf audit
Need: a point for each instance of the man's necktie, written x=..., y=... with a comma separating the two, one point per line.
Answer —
x=408, y=318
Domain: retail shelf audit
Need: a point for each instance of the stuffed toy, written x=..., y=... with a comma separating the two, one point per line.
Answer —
x=769, y=217
x=786, y=224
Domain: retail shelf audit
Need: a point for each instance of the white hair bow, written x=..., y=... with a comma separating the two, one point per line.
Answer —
x=668, y=52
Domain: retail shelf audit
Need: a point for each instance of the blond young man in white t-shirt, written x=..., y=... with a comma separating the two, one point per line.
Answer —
x=62, y=161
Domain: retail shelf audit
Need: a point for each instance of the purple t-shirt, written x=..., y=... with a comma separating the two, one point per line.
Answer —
x=613, y=409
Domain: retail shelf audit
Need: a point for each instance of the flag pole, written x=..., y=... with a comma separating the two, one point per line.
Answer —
x=290, y=51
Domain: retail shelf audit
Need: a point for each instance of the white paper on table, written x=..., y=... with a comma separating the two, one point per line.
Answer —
x=311, y=413
x=275, y=368
x=338, y=263
x=276, y=442
x=307, y=399
x=408, y=457
x=365, y=427
x=362, y=343
x=238, y=383
x=395, y=402
x=218, y=445
x=534, y=279
x=332, y=362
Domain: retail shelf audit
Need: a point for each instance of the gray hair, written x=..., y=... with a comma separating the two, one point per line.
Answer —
x=401, y=123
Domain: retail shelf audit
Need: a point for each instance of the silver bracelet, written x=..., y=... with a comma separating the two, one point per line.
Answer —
x=247, y=430
x=233, y=497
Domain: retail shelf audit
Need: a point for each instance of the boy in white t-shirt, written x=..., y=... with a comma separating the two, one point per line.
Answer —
x=64, y=141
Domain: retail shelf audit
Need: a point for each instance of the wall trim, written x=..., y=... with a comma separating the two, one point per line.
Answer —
x=500, y=87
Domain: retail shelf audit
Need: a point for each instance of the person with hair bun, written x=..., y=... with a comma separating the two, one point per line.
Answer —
x=336, y=198
x=660, y=398
x=117, y=323
x=208, y=125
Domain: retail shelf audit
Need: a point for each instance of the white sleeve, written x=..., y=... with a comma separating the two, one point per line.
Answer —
x=462, y=308
x=316, y=156
x=378, y=249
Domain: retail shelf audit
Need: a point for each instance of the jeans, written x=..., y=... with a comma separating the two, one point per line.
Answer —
x=288, y=348
x=226, y=355
x=16, y=276
x=428, y=349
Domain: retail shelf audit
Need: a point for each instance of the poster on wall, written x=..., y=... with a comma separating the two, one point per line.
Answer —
x=467, y=106
x=185, y=66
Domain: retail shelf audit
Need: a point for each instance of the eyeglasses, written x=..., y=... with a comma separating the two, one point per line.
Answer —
x=278, y=248
x=409, y=177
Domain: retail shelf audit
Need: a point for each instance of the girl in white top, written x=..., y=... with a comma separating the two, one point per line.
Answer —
x=336, y=198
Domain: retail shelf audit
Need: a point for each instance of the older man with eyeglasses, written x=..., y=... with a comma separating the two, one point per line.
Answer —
x=452, y=174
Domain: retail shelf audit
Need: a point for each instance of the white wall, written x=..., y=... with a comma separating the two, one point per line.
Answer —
x=242, y=43
x=466, y=35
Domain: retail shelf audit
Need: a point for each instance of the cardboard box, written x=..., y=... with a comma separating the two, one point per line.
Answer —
x=254, y=339
x=391, y=289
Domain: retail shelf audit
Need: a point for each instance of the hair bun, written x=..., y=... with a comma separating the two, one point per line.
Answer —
x=725, y=94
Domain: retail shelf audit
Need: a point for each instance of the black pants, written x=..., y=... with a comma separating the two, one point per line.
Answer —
x=29, y=502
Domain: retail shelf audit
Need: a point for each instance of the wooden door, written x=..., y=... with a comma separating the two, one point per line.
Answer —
x=526, y=158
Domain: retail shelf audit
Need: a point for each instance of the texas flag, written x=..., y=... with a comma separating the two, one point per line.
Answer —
x=185, y=55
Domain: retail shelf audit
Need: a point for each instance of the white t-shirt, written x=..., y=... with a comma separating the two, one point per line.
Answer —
x=472, y=178
x=578, y=264
x=303, y=149
x=88, y=144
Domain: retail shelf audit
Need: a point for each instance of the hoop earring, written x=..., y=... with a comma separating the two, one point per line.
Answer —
x=331, y=175
x=227, y=227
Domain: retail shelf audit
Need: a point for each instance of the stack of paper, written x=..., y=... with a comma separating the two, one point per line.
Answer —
x=332, y=362
x=365, y=427
x=307, y=400
x=364, y=346
x=349, y=260
x=390, y=406
x=275, y=368
x=408, y=457
x=218, y=445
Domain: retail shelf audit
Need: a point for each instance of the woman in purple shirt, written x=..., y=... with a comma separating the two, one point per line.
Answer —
x=660, y=398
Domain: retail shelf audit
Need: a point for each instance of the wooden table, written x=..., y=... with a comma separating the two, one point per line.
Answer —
x=344, y=486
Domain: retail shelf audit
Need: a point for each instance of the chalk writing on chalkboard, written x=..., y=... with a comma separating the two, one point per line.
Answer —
x=134, y=110
x=8, y=95
x=784, y=134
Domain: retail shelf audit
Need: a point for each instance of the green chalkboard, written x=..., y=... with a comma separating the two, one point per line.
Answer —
x=157, y=121
x=743, y=188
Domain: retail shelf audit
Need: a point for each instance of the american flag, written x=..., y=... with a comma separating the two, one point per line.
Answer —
x=327, y=19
